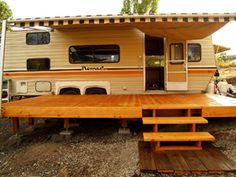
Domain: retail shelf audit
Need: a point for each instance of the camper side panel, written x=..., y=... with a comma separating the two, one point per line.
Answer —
x=200, y=72
x=125, y=76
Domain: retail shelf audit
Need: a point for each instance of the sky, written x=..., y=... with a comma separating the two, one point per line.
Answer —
x=226, y=36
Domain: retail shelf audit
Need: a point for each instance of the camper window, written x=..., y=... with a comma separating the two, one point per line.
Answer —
x=38, y=38
x=38, y=64
x=194, y=52
x=176, y=53
x=94, y=54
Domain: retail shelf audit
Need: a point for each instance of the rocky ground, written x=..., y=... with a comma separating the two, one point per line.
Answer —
x=95, y=149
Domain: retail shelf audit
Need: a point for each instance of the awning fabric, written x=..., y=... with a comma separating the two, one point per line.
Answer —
x=175, y=26
x=220, y=48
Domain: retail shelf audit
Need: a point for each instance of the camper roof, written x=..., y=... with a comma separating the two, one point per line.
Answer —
x=176, y=26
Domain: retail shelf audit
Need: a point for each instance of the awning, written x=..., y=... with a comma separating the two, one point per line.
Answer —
x=175, y=26
x=220, y=48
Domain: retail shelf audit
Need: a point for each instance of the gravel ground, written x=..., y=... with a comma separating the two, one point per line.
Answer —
x=95, y=149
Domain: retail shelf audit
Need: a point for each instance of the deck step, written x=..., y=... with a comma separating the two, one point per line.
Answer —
x=178, y=136
x=179, y=148
x=174, y=120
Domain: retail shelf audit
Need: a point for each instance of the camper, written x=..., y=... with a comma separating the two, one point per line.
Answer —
x=127, y=61
x=113, y=54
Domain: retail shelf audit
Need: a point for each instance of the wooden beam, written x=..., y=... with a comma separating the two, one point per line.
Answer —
x=178, y=136
x=15, y=125
x=66, y=123
x=192, y=127
x=155, y=127
x=219, y=111
x=174, y=120
x=73, y=112
x=31, y=121
x=157, y=146
x=124, y=123
x=178, y=148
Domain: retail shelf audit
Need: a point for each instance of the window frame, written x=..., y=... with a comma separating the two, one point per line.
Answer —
x=36, y=33
x=200, y=52
x=35, y=86
x=29, y=59
x=93, y=48
x=174, y=61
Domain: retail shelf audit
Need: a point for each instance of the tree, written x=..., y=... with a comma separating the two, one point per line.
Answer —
x=139, y=6
x=5, y=12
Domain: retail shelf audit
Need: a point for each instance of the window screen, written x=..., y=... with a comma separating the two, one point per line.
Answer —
x=194, y=52
x=38, y=64
x=94, y=54
x=38, y=38
x=176, y=53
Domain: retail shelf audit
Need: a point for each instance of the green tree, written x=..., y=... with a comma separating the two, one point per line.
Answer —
x=139, y=6
x=5, y=12
x=126, y=7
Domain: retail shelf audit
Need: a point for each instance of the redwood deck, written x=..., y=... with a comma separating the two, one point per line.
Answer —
x=209, y=160
x=117, y=106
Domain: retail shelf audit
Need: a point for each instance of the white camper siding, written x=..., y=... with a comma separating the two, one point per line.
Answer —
x=129, y=40
x=120, y=83
x=200, y=73
x=208, y=55
x=198, y=82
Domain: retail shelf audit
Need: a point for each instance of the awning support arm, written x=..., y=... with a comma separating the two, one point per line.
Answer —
x=2, y=53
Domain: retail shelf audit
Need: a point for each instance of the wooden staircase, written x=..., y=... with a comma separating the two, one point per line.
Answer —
x=182, y=140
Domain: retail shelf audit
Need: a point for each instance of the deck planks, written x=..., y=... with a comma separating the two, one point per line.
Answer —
x=209, y=160
x=117, y=106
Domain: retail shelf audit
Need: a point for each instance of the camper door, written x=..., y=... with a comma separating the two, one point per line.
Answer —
x=176, y=66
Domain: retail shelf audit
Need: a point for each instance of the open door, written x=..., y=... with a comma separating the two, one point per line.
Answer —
x=155, y=63
x=176, y=66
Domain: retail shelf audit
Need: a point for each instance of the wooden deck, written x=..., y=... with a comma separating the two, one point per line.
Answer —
x=118, y=106
x=209, y=160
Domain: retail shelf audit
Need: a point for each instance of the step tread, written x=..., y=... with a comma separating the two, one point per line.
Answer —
x=178, y=136
x=178, y=148
x=174, y=120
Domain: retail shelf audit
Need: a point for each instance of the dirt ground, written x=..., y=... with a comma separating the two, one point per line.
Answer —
x=95, y=149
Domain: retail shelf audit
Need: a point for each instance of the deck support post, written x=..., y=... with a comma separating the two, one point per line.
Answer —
x=15, y=125
x=192, y=128
x=124, y=123
x=66, y=132
x=66, y=123
x=199, y=144
x=158, y=145
x=155, y=127
x=124, y=127
x=31, y=121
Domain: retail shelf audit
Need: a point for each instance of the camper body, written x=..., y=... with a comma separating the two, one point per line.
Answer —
x=106, y=60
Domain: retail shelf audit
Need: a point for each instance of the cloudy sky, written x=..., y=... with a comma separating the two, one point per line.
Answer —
x=42, y=8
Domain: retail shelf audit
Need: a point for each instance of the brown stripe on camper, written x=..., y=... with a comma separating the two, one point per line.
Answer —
x=134, y=18
x=201, y=71
x=81, y=72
